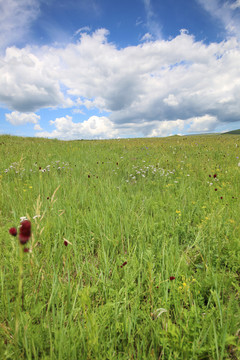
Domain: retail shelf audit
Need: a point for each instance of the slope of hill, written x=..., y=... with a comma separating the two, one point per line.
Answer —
x=233, y=132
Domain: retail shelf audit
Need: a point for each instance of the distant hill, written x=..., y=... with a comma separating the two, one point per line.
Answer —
x=233, y=132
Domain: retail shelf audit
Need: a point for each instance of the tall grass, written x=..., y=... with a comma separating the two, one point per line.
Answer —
x=133, y=213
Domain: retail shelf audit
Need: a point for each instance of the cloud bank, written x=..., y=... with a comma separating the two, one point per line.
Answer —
x=146, y=90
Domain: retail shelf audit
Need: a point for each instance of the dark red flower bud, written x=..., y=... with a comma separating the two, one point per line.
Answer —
x=215, y=189
x=25, y=232
x=172, y=278
x=88, y=176
x=13, y=231
x=26, y=250
x=215, y=175
x=65, y=243
x=125, y=263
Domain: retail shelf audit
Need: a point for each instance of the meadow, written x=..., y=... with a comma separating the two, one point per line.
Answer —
x=134, y=252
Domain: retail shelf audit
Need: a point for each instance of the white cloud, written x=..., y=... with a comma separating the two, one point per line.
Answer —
x=147, y=37
x=152, y=24
x=235, y=5
x=93, y=128
x=28, y=82
x=17, y=118
x=15, y=19
x=166, y=128
x=201, y=124
x=205, y=123
x=140, y=87
x=224, y=11
x=82, y=30
x=171, y=100
x=37, y=127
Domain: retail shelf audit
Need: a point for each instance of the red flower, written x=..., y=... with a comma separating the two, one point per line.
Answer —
x=26, y=250
x=13, y=231
x=65, y=243
x=172, y=278
x=215, y=175
x=125, y=263
x=25, y=232
x=215, y=189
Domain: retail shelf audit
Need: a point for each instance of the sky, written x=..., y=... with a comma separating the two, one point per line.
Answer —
x=103, y=69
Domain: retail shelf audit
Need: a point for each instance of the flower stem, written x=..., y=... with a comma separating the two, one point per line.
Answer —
x=20, y=298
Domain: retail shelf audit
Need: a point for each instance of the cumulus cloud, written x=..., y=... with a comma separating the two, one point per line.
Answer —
x=93, y=128
x=205, y=123
x=141, y=87
x=37, y=127
x=18, y=118
x=166, y=128
x=27, y=81
x=201, y=124
x=15, y=19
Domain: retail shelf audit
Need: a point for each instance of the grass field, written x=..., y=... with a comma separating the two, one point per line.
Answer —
x=134, y=253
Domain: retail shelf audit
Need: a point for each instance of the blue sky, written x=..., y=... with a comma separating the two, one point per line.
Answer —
x=88, y=69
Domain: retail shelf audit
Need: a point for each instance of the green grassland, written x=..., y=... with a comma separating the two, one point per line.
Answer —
x=233, y=132
x=135, y=213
